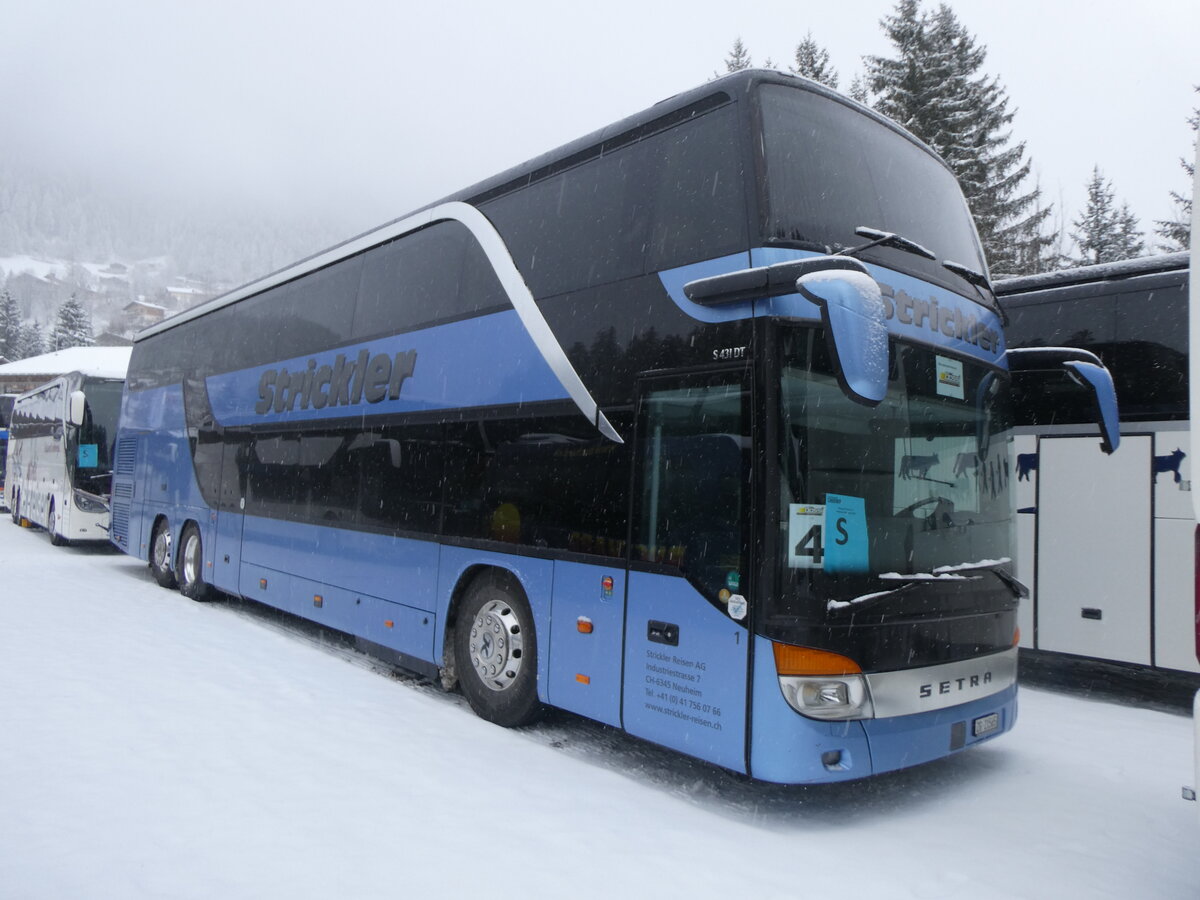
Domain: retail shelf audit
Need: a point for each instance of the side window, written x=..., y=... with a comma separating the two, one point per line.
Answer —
x=1149, y=359
x=401, y=484
x=699, y=208
x=316, y=311
x=1073, y=318
x=551, y=482
x=671, y=198
x=411, y=281
x=693, y=500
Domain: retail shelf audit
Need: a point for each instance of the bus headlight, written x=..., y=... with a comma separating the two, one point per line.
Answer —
x=821, y=684
x=826, y=697
x=90, y=503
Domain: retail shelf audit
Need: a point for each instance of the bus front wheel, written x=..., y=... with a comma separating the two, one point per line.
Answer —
x=52, y=527
x=191, y=564
x=496, y=652
x=160, y=555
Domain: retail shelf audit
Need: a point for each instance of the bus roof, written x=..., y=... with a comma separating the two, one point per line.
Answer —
x=661, y=115
x=1125, y=268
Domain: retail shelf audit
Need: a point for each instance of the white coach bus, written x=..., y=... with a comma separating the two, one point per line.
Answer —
x=60, y=448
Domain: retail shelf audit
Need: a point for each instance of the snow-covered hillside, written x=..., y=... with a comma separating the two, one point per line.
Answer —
x=157, y=747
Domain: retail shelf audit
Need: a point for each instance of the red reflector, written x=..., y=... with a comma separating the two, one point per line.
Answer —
x=583, y=679
x=389, y=623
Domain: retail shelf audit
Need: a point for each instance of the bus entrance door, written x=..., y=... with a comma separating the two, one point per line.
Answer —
x=686, y=638
x=227, y=548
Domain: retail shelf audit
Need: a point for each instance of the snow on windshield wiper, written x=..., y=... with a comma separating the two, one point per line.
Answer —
x=879, y=238
x=956, y=572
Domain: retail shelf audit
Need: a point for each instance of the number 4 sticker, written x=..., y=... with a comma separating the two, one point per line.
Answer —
x=806, y=544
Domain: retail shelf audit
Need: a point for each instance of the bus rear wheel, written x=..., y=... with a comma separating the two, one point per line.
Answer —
x=15, y=512
x=52, y=527
x=496, y=652
x=191, y=564
x=160, y=555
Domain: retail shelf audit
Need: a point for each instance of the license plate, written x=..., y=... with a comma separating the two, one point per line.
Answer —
x=985, y=724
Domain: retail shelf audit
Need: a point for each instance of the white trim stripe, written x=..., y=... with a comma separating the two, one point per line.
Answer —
x=502, y=263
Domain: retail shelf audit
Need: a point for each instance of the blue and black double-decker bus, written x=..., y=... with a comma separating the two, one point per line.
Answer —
x=680, y=427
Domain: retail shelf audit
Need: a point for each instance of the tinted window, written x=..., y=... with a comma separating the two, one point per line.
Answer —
x=1141, y=335
x=831, y=168
x=699, y=205
x=415, y=280
x=316, y=311
x=672, y=198
x=540, y=482
x=401, y=485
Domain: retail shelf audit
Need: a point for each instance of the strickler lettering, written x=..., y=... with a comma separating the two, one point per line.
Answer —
x=345, y=383
x=950, y=322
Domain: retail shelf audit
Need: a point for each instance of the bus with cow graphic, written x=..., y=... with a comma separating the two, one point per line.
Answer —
x=1112, y=570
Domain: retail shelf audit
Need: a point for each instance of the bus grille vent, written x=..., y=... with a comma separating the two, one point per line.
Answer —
x=126, y=456
x=119, y=524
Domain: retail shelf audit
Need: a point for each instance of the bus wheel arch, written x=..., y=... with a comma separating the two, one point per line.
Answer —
x=190, y=570
x=495, y=648
x=161, y=555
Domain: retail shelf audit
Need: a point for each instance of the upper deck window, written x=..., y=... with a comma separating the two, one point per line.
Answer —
x=830, y=169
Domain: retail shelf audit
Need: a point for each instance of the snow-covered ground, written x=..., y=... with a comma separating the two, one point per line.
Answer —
x=151, y=746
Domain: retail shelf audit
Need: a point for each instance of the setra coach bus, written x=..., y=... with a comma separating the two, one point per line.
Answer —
x=697, y=426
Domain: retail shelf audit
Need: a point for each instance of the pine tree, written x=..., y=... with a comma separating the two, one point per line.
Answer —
x=812, y=61
x=74, y=326
x=33, y=343
x=738, y=58
x=1105, y=232
x=1177, y=232
x=858, y=90
x=935, y=89
x=10, y=326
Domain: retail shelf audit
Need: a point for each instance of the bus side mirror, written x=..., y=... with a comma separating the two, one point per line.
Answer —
x=1087, y=371
x=78, y=402
x=855, y=320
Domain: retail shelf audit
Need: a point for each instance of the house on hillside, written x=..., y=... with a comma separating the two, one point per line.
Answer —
x=140, y=314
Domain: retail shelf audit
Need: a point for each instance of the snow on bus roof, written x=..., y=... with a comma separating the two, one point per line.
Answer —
x=99, y=362
x=1125, y=268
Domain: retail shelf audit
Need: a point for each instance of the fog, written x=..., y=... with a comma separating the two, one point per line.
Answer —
x=361, y=111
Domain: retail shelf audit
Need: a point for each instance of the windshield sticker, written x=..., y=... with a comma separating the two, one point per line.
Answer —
x=806, y=522
x=89, y=457
x=737, y=607
x=950, y=377
x=846, y=534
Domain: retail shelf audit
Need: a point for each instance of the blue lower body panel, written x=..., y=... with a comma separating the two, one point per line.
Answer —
x=787, y=748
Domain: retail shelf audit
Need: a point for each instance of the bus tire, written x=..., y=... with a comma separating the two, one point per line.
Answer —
x=496, y=652
x=15, y=512
x=160, y=555
x=191, y=564
x=52, y=527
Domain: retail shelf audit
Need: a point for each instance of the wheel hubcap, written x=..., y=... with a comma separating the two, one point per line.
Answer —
x=162, y=549
x=191, y=559
x=496, y=645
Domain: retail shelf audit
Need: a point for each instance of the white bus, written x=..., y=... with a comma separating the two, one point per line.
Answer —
x=60, y=448
x=1106, y=543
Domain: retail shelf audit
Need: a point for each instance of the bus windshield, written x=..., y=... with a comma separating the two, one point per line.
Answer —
x=92, y=457
x=924, y=478
x=831, y=169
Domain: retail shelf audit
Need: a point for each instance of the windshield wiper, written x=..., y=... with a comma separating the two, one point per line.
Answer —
x=977, y=280
x=879, y=238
